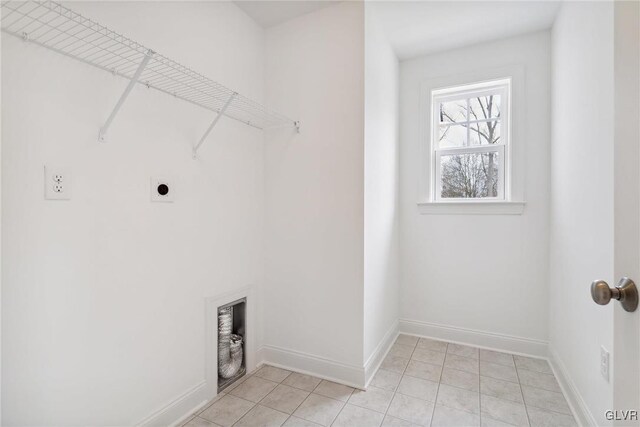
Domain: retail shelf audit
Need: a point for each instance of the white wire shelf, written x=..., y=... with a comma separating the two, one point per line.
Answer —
x=51, y=25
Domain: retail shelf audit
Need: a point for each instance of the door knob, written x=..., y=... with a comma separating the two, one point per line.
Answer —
x=625, y=292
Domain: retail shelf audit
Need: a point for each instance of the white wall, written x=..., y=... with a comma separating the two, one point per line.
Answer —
x=626, y=326
x=314, y=230
x=479, y=273
x=581, y=248
x=103, y=295
x=381, y=228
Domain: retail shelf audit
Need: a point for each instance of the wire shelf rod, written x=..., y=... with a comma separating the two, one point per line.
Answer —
x=51, y=25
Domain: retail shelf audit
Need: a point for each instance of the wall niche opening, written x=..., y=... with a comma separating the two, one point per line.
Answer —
x=232, y=323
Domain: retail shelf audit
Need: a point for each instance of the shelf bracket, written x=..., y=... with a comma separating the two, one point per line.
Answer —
x=213, y=124
x=103, y=130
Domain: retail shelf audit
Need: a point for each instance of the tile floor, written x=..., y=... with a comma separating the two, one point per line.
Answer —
x=422, y=382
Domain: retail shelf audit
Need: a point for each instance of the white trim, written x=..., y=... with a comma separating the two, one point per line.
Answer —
x=189, y=402
x=515, y=155
x=482, y=339
x=501, y=87
x=316, y=366
x=179, y=408
x=211, y=334
x=576, y=403
x=472, y=208
x=374, y=361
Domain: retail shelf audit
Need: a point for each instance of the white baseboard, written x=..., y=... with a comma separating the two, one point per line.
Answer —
x=309, y=364
x=375, y=360
x=576, y=403
x=489, y=340
x=179, y=408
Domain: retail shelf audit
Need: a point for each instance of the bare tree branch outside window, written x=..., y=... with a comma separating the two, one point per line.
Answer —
x=470, y=175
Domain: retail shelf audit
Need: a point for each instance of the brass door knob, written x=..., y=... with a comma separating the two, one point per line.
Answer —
x=625, y=292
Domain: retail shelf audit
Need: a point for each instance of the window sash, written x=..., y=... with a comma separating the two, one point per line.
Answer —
x=500, y=149
x=501, y=88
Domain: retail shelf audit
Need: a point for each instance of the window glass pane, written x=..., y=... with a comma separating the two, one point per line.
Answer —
x=484, y=107
x=484, y=133
x=453, y=111
x=469, y=175
x=453, y=136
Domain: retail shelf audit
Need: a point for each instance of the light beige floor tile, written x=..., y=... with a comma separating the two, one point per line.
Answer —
x=499, y=372
x=490, y=422
x=272, y=373
x=532, y=364
x=428, y=356
x=254, y=389
x=319, y=409
x=540, y=418
x=396, y=422
x=301, y=381
x=284, y=398
x=299, y=422
x=496, y=357
x=539, y=380
x=461, y=363
x=418, y=388
x=333, y=390
x=426, y=371
x=400, y=350
x=199, y=422
x=261, y=416
x=214, y=400
x=461, y=379
x=407, y=340
x=434, y=345
x=501, y=389
x=227, y=410
x=458, y=398
x=236, y=383
x=186, y=421
x=410, y=409
x=503, y=410
x=374, y=398
x=545, y=399
x=463, y=350
x=444, y=416
x=386, y=380
x=394, y=364
x=351, y=416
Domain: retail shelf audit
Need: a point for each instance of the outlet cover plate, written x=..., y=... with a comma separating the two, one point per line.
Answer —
x=160, y=184
x=604, y=363
x=57, y=183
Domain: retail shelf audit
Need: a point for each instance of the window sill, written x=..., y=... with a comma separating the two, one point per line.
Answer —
x=471, y=208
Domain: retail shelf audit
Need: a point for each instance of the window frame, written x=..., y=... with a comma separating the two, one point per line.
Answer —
x=500, y=86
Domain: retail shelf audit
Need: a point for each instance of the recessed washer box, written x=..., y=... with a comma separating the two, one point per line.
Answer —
x=162, y=189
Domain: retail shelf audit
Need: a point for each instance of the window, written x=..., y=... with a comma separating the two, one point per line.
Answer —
x=470, y=142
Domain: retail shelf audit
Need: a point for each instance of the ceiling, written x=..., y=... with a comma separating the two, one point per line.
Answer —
x=270, y=13
x=417, y=28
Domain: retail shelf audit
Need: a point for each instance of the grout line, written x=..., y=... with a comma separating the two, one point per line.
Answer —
x=395, y=392
x=296, y=388
x=212, y=423
x=433, y=412
x=479, y=392
x=526, y=411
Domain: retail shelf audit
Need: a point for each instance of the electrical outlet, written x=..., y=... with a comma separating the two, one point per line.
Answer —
x=57, y=183
x=604, y=363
